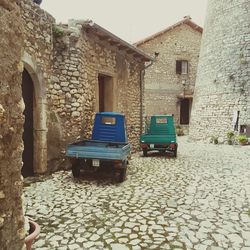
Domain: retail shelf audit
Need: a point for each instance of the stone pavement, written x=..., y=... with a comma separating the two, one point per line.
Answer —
x=201, y=200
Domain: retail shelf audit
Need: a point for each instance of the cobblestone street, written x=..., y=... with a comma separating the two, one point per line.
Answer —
x=200, y=200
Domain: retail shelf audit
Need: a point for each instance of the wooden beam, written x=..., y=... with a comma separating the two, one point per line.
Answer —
x=129, y=51
x=122, y=47
x=101, y=37
x=112, y=42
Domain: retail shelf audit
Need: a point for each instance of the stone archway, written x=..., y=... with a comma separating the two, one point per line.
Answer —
x=39, y=114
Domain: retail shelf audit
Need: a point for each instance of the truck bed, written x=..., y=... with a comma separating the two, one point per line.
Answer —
x=157, y=139
x=102, y=150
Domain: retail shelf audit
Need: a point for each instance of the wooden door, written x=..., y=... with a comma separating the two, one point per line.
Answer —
x=184, y=111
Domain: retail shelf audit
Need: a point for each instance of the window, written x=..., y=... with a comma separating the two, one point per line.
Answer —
x=181, y=67
x=161, y=120
x=108, y=120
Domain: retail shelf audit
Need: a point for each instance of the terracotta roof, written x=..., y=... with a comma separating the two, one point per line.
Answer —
x=186, y=20
x=113, y=40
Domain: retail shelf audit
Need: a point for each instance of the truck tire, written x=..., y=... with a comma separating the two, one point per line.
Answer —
x=123, y=171
x=122, y=176
x=76, y=169
x=145, y=152
x=175, y=153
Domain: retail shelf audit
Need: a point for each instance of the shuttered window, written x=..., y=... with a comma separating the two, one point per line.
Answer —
x=181, y=67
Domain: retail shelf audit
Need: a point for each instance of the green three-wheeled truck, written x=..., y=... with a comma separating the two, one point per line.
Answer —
x=160, y=135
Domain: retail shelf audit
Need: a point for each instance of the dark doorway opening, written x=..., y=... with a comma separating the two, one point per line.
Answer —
x=28, y=137
x=105, y=89
x=184, y=111
x=101, y=81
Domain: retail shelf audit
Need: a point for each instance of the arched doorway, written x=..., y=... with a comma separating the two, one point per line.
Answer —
x=28, y=128
x=37, y=132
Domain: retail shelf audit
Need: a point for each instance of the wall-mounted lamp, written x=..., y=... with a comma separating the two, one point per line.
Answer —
x=184, y=84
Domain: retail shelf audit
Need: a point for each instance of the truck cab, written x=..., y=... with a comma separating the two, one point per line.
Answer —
x=109, y=126
x=160, y=135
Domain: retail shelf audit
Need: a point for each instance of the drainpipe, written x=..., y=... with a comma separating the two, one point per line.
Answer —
x=142, y=72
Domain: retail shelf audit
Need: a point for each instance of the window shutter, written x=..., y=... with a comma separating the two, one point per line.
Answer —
x=184, y=65
x=178, y=67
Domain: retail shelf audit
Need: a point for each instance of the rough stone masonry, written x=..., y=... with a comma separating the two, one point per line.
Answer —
x=11, y=121
x=222, y=84
x=65, y=63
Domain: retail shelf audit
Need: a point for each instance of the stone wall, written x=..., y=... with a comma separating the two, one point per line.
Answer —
x=125, y=72
x=11, y=121
x=38, y=34
x=129, y=99
x=38, y=42
x=78, y=60
x=162, y=84
x=68, y=92
x=64, y=63
x=38, y=62
x=223, y=84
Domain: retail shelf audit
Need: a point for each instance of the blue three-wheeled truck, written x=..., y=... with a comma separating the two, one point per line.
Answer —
x=108, y=147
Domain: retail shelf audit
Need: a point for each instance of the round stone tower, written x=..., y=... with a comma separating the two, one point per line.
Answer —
x=222, y=91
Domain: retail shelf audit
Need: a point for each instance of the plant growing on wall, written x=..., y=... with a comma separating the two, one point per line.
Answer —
x=57, y=31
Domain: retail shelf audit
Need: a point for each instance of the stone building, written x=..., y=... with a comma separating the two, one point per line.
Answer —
x=53, y=80
x=37, y=61
x=169, y=82
x=70, y=72
x=11, y=122
x=221, y=99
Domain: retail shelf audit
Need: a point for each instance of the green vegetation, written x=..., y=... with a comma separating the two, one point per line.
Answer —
x=248, y=212
x=214, y=139
x=57, y=30
x=242, y=139
x=179, y=130
x=230, y=137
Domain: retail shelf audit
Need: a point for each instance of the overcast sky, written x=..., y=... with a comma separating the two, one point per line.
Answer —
x=131, y=20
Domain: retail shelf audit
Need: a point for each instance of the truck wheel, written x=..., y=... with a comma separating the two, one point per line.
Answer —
x=76, y=169
x=175, y=153
x=123, y=171
x=145, y=152
x=122, y=176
